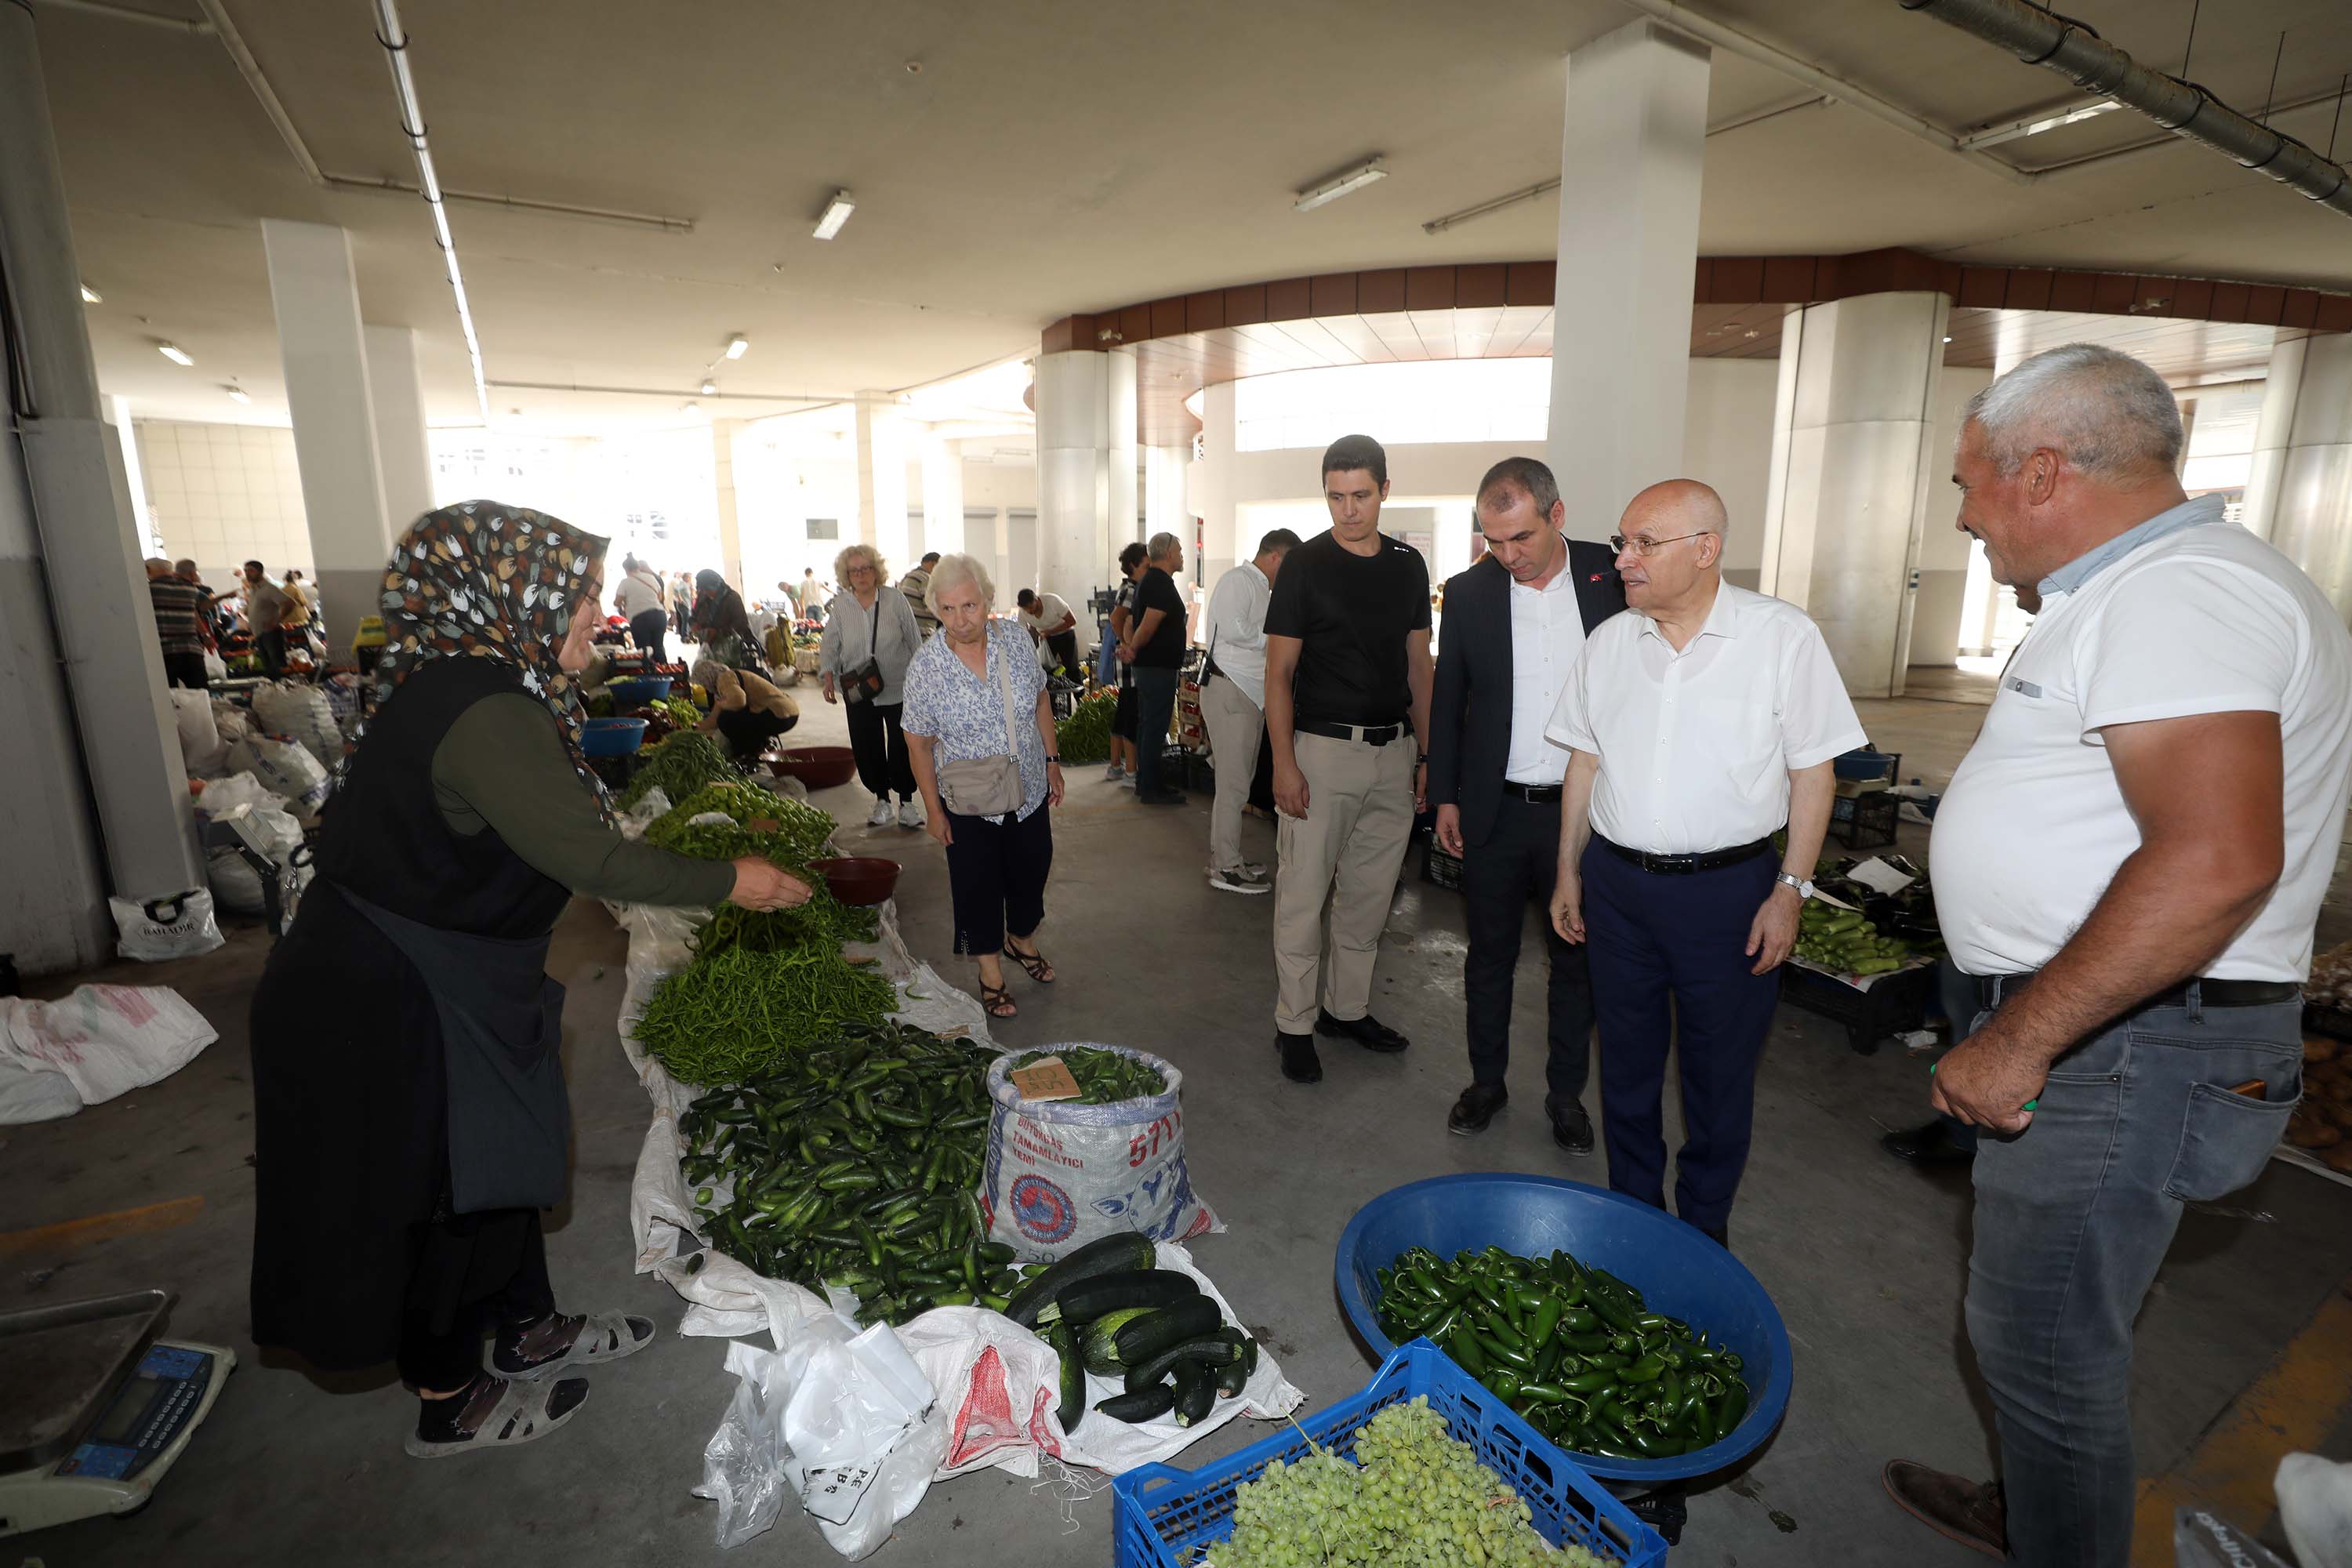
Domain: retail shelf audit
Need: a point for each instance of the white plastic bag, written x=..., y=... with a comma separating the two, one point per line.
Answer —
x=226, y=797
x=106, y=1039
x=282, y=768
x=29, y=1093
x=236, y=885
x=1060, y=1175
x=215, y=667
x=2315, y=1502
x=201, y=748
x=232, y=722
x=300, y=710
x=156, y=932
x=838, y=1416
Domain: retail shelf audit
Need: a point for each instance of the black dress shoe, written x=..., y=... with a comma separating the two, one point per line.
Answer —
x=1930, y=1144
x=1299, y=1062
x=1367, y=1031
x=1572, y=1129
x=1475, y=1109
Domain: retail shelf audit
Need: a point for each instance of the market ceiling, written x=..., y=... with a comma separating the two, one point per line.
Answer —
x=1012, y=165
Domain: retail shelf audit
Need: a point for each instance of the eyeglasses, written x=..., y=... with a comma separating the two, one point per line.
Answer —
x=1646, y=547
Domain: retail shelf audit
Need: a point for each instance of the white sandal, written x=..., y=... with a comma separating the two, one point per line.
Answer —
x=524, y=1411
x=600, y=1337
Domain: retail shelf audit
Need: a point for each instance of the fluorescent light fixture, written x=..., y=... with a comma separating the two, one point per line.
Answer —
x=2017, y=130
x=709, y=388
x=1340, y=185
x=90, y=296
x=837, y=213
x=1947, y=337
x=237, y=394
x=174, y=352
x=738, y=345
x=691, y=409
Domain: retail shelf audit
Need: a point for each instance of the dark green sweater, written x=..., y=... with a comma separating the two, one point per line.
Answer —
x=502, y=765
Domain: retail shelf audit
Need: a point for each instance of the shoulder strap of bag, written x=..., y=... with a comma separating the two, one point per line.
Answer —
x=1004, y=689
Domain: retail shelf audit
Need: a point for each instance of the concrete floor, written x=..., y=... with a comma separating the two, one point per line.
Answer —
x=1865, y=1256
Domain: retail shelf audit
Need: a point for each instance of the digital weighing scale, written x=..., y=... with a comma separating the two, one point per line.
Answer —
x=98, y=1408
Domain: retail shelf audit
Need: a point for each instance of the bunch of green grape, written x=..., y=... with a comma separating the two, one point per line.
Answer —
x=1414, y=1498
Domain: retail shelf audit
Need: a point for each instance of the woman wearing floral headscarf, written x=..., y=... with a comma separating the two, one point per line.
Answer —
x=410, y=1113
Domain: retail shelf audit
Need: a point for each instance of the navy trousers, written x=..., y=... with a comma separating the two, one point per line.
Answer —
x=1657, y=938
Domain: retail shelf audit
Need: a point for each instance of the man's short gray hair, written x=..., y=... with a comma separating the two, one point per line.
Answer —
x=1161, y=546
x=2113, y=419
x=953, y=571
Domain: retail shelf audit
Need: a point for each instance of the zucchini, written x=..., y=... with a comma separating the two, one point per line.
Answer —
x=1195, y=1393
x=1231, y=1378
x=1125, y=1251
x=1064, y=1342
x=1098, y=1341
x=1134, y=1407
x=1215, y=1351
x=1090, y=1299
x=1142, y=1339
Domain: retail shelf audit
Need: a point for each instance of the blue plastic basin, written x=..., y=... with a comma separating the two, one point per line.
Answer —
x=611, y=737
x=637, y=693
x=1678, y=1271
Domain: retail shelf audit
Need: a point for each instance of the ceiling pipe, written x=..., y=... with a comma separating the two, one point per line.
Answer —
x=412, y=125
x=2076, y=52
x=131, y=14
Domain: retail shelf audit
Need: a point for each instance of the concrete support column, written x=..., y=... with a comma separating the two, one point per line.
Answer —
x=81, y=678
x=403, y=453
x=1165, y=471
x=1074, y=491
x=731, y=530
x=1209, y=486
x=882, y=477
x=2300, y=494
x=1630, y=159
x=1853, y=456
x=1119, y=514
x=316, y=296
x=943, y=498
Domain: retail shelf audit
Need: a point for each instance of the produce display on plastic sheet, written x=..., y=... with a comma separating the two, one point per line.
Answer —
x=681, y=764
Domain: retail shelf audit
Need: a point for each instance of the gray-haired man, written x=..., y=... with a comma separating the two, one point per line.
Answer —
x=1155, y=647
x=1233, y=703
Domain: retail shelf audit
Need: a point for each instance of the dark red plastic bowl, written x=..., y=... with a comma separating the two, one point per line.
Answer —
x=819, y=767
x=859, y=878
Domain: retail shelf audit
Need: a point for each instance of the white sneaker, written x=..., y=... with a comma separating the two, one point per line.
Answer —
x=1257, y=869
x=1114, y=773
x=881, y=815
x=910, y=814
x=1240, y=880
x=1129, y=780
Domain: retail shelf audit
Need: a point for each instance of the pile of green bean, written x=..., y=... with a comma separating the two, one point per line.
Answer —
x=681, y=713
x=1571, y=1347
x=823, y=918
x=741, y=1013
x=679, y=765
x=854, y=1164
x=789, y=832
x=1085, y=736
x=1105, y=1078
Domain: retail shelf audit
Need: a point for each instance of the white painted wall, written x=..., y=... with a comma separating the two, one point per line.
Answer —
x=225, y=494
x=1944, y=549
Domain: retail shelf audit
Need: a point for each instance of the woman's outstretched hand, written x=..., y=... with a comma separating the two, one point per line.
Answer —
x=759, y=886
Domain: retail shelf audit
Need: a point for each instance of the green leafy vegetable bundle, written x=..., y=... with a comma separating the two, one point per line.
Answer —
x=738, y=1012
x=789, y=832
x=681, y=764
x=1084, y=736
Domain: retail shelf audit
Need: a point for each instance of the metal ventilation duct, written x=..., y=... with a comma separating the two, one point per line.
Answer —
x=2076, y=52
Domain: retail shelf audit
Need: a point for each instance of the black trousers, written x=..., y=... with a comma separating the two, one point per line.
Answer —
x=1519, y=862
x=186, y=669
x=1155, y=706
x=747, y=731
x=647, y=628
x=996, y=874
x=881, y=746
x=473, y=1274
x=271, y=646
x=1064, y=647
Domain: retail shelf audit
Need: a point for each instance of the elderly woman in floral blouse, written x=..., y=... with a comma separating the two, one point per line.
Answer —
x=957, y=690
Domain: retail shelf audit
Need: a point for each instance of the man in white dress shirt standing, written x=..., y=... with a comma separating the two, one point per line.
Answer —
x=1233, y=703
x=1698, y=726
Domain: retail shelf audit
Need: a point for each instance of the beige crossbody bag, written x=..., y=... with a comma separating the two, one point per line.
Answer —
x=988, y=786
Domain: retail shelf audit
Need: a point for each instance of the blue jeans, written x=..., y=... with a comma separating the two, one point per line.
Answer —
x=2073, y=1218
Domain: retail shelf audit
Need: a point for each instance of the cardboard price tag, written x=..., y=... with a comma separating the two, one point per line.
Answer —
x=1047, y=1079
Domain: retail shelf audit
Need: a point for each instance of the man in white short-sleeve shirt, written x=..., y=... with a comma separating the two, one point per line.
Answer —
x=2130, y=859
x=1698, y=726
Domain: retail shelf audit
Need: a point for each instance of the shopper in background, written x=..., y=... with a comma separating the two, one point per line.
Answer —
x=1233, y=703
x=869, y=636
x=1049, y=619
x=812, y=596
x=179, y=625
x=1700, y=726
x=721, y=626
x=407, y=1149
x=2131, y=857
x=1132, y=560
x=1522, y=612
x=746, y=708
x=1347, y=690
x=267, y=610
x=966, y=689
x=638, y=597
x=915, y=584
x=1154, y=646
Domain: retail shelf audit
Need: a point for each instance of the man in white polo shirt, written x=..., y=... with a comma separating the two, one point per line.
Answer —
x=1697, y=726
x=1233, y=703
x=2130, y=859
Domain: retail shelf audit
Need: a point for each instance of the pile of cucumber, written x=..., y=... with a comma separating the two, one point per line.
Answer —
x=1106, y=1310
x=1842, y=941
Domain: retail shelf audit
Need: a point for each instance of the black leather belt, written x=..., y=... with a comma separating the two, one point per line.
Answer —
x=1991, y=988
x=1534, y=794
x=1369, y=734
x=1683, y=865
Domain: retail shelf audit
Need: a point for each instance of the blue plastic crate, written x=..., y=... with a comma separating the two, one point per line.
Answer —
x=1166, y=1515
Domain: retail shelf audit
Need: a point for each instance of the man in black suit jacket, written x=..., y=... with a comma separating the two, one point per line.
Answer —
x=1514, y=625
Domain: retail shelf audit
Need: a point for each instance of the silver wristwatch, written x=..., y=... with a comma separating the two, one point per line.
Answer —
x=1804, y=888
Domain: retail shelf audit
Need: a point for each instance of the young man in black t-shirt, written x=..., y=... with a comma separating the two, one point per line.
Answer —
x=1348, y=678
x=1156, y=635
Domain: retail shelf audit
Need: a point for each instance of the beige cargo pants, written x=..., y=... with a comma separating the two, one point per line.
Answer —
x=1346, y=852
